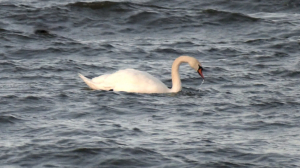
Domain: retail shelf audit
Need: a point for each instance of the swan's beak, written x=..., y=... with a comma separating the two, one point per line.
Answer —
x=200, y=71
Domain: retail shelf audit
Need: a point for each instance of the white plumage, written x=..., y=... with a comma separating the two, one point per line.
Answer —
x=131, y=80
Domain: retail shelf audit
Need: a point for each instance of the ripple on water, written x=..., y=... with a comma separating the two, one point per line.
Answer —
x=9, y=119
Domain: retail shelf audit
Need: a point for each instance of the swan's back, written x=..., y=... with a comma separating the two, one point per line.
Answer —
x=130, y=80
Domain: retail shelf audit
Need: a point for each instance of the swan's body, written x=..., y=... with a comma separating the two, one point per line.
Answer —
x=130, y=80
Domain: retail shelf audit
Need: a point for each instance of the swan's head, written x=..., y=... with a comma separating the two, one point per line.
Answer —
x=195, y=64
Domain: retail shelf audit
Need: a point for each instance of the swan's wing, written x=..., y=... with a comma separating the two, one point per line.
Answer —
x=131, y=80
x=100, y=79
x=128, y=80
x=94, y=85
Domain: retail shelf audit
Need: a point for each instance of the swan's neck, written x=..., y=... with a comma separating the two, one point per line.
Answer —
x=176, y=82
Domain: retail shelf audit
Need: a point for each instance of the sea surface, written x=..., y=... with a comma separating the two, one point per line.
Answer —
x=246, y=114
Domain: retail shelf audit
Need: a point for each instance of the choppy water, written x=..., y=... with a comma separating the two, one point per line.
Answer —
x=246, y=114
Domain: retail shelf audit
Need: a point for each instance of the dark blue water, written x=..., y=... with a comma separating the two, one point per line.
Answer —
x=246, y=114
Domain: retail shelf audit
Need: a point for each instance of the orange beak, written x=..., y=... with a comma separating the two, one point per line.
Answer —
x=200, y=72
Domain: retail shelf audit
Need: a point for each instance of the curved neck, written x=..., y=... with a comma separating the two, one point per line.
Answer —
x=176, y=82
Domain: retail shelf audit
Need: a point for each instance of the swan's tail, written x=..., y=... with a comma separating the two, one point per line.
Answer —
x=89, y=82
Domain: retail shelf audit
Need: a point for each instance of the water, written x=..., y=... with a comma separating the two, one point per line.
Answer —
x=246, y=114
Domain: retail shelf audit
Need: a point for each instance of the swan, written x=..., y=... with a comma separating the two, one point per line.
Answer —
x=131, y=80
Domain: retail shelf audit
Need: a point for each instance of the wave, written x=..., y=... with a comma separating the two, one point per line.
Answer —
x=229, y=17
x=196, y=19
x=286, y=73
x=150, y=15
x=117, y=6
x=8, y=119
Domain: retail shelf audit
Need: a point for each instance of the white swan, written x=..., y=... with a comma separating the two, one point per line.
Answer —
x=130, y=80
